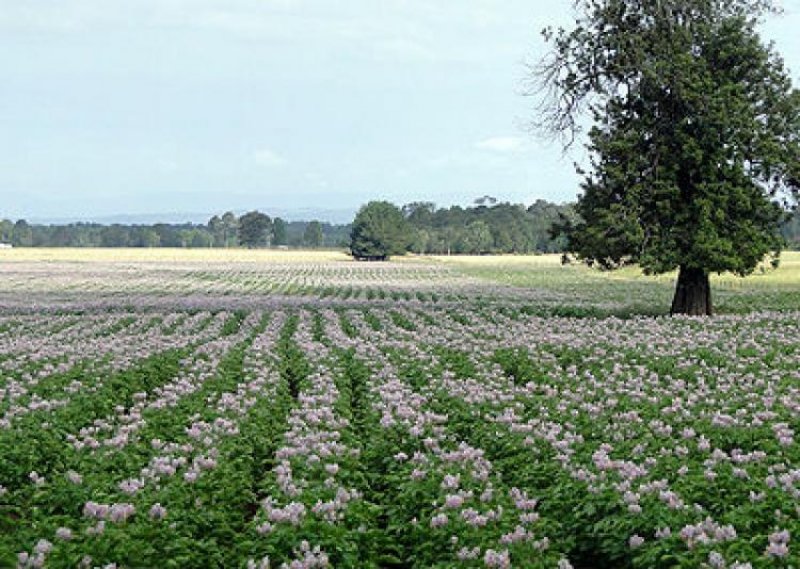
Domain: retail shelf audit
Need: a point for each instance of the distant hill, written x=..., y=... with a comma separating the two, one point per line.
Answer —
x=126, y=219
x=333, y=216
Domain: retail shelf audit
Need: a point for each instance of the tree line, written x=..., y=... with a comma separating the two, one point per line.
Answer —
x=382, y=229
x=253, y=229
x=485, y=227
x=488, y=226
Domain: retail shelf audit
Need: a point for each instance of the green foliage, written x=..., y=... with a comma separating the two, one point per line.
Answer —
x=312, y=236
x=379, y=230
x=517, y=364
x=279, y=227
x=255, y=229
x=513, y=228
x=696, y=137
x=22, y=235
x=230, y=227
x=791, y=232
x=6, y=231
x=233, y=323
x=499, y=228
x=293, y=366
x=477, y=237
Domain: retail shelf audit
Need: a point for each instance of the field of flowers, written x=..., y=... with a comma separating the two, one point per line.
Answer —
x=313, y=412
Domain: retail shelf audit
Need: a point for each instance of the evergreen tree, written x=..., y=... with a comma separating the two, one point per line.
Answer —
x=22, y=235
x=695, y=139
x=279, y=232
x=255, y=229
x=312, y=236
x=379, y=230
x=6, y=231
x=217, y=229
x=230, y=229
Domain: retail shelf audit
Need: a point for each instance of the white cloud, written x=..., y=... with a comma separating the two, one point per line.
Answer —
x=502, y=144
x=268, y=158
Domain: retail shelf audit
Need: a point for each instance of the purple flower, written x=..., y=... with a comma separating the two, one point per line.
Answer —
x=500, y=559
x=635, y=541
x=64, y=534
x=121, y=512
x=74, y=477
x=158, y=512
x=453, y=501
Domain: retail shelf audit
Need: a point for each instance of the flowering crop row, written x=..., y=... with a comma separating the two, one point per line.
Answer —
x=415, y=434
x=32, y=286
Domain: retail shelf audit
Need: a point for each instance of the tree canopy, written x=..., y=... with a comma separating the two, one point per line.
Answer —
x=279, y=232
x=696, y=138
x=500, y=228
x=312, y=236
x=379, y=230
x=255, y=229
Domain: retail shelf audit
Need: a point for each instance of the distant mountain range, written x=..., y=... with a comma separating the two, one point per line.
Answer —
x=334, y=216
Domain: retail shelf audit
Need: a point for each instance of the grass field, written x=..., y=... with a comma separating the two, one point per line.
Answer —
x=172, y=408
x=765, y=289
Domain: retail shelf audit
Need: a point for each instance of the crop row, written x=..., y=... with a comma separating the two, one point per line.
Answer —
x=412, y=436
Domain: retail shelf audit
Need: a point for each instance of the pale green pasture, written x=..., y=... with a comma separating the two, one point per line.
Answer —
x=629, y=290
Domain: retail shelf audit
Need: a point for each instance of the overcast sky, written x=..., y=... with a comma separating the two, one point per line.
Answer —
x=155, y=106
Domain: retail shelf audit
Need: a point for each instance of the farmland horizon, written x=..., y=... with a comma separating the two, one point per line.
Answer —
x=299, y=213
x=255, y=407
x=409, y=284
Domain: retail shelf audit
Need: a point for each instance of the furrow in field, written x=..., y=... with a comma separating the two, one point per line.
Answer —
x=47, y=354
x=44, y=381
x=437, y=500
x=33, y=446
x=163, y=412
x=314, y=507
x=193, y=495
x=89, y=364
x=573, y=418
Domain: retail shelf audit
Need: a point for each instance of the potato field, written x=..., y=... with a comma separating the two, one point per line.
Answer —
x=268, y=410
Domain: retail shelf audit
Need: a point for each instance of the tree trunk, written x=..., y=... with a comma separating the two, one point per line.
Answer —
x=693, y=293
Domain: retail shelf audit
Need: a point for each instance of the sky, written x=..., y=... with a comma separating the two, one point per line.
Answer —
x=201, y=106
